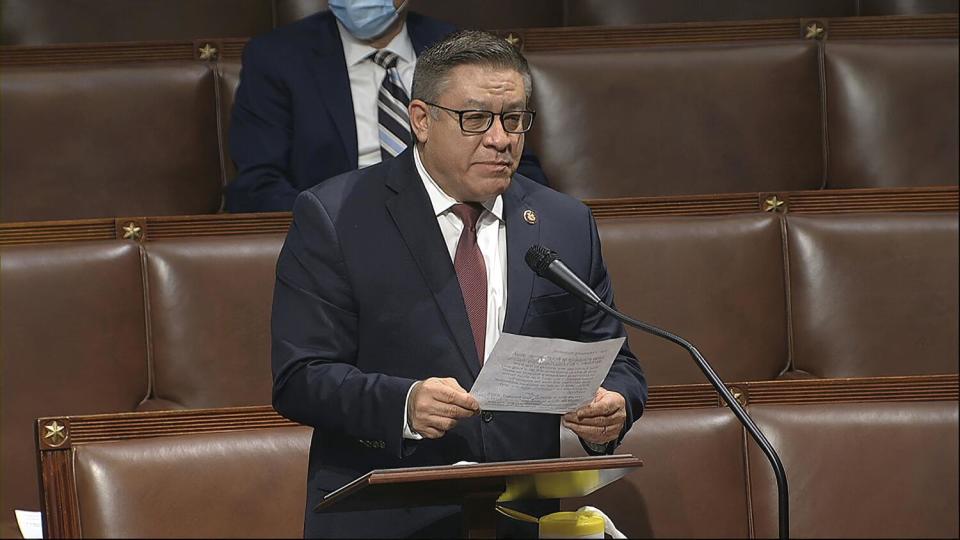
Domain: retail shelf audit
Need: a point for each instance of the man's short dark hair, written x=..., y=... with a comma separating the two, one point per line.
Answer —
x=466, y=47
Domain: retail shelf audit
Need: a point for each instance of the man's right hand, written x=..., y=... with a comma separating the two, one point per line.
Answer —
x=437, y=404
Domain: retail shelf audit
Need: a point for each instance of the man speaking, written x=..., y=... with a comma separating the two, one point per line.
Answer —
x=396, y=281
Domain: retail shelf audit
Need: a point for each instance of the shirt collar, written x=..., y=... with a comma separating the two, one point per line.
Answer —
x=356, y=51
x=442, y=202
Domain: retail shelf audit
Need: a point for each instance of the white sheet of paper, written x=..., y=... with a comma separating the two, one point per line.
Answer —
x=29, y=523
x=541, y=375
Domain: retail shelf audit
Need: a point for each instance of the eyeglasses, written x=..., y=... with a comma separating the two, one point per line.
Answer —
x=476, y=121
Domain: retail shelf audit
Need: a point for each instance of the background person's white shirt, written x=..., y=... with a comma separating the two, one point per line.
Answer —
x=365, y=80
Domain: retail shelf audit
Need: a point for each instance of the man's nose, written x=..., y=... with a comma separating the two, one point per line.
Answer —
x=496, y=137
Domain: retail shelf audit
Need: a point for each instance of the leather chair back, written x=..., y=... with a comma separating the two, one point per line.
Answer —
x=72, y=339
x=228, y=79
x=242, y=484
x=874, y=294
x=89, y=140
x=210, y=304
x=716, y=281
x=38, y=22
x=678, y=120
x=892, y=112
x=692, y=481
x=859, y=470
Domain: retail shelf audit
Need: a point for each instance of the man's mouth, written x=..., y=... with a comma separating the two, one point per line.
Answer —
x=496, y=163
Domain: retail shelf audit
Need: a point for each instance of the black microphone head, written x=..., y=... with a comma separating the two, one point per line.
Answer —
x=539, y=258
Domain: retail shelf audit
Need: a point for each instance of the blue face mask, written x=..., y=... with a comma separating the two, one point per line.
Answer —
x=365, y=19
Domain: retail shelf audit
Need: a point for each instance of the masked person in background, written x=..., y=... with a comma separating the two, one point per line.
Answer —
x=326, y=95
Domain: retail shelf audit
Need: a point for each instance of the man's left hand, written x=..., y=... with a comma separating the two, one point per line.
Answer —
x=601, y=420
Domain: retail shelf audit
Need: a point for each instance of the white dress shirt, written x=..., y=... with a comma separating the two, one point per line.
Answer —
x=365, y=80
x=492, y=240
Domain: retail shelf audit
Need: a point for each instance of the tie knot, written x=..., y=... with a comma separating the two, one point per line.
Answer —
x=385, y=59
x=468, y=213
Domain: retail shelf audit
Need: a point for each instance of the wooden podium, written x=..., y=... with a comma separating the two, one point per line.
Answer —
x=479, y=487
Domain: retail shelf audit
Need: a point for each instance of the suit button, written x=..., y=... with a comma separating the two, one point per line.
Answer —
x=487, y=416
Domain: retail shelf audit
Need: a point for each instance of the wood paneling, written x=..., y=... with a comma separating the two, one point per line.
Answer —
x=801, y=391
x=930, y=199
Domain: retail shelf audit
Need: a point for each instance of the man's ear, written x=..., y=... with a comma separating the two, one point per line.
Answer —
x=419, y=120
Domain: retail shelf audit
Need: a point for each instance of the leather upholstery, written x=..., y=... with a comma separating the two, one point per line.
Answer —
x=72, y=339
x=243, y=484
x=630, y=122
x=74, y=345
x=489, y=14
x=692, y=481
x=855, y=470
x=64, y=127
x=621, y=12
x=892, y=112
x=678, y=120
x=54, y=21
x=906, y=7
x=210, y=319
x=37, y=22
x=718, y=282
x=859, y=470
x=874, y=294
x=228, y=79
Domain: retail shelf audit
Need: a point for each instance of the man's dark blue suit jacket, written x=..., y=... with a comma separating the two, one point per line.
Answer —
x=292, y=124
x=367, y=301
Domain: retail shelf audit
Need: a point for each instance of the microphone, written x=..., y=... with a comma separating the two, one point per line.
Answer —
x=547, y=264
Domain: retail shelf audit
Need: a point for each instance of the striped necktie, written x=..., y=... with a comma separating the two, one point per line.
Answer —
x=392, y=101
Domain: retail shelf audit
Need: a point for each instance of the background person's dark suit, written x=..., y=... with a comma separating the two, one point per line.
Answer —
x=367, y=301
x=292, y=124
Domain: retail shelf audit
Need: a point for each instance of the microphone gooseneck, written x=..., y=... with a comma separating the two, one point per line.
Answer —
x=546, y=264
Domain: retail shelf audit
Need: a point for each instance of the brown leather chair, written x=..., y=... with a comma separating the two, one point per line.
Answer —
x=228, y=79
x=242, y=484
x=103, y=140
x=39, y=22
x=691, y=484
x=73, y=340
x=623, y=12
x=489, y=15
x=716, y=281
x=892, y=112
x=874, y=294
x=678, y=120
x=859, y=470
x=210, y=319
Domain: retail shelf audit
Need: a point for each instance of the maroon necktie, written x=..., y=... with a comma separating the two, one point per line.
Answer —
x=472, y=273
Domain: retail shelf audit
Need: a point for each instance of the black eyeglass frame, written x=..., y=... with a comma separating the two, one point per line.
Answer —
x=460, y=113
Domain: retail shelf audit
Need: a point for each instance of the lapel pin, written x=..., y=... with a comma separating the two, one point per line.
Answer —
x=530, y=216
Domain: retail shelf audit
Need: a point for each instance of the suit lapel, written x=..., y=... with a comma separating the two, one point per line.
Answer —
x=411, y=211
x=329, y=69
x=521, y=234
